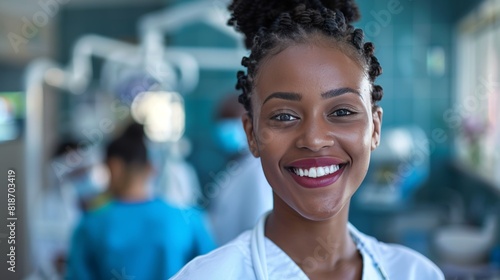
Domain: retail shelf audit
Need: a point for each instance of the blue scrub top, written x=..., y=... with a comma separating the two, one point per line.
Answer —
x=140, y=240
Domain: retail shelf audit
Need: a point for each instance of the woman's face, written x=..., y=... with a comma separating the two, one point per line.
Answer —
x=313, y=128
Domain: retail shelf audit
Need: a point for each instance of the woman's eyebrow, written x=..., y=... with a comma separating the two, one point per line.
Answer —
x=284, y=95
x=338, y=91
x=297, y=96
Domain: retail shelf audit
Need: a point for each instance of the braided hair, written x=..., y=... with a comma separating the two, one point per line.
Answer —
x=270, y=25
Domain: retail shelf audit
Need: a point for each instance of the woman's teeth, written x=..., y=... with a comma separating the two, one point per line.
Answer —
x=315, y=172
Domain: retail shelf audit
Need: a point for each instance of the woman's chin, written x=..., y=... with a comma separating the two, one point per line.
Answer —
x=320, y=214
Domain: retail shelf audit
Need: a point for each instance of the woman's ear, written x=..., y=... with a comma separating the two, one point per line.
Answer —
x=377, y=114
x=252, y=142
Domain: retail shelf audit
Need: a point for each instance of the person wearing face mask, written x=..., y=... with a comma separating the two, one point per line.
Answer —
x=60, y=204
x=74, y=170
x=229, y=134
x=242, y=194
x=313, y=119
x=135, y=234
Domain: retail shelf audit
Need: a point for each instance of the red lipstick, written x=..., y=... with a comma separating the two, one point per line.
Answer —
x=319, y=182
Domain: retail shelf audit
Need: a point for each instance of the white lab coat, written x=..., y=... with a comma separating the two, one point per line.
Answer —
x=254, y=256
x=242, y=199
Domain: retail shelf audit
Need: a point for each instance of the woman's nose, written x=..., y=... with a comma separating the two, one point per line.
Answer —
x=314, y=136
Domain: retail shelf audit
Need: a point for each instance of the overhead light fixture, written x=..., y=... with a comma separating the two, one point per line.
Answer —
x=162, y=114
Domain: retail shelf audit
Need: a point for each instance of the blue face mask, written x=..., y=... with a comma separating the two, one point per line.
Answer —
x=230, y=135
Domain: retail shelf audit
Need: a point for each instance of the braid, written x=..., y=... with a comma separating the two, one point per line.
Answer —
x=269, y=25
x=249, y=16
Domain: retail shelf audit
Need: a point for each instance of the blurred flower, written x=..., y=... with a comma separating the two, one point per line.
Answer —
x=474, y=128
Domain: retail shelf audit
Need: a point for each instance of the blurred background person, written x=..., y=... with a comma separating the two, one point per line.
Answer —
x=135, y=234
x=242, y=194
x=177, y=181
x=59, y=206
x=77, y=173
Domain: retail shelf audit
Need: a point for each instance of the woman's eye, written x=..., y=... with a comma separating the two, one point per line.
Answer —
x=341, y=113
x=284, y=117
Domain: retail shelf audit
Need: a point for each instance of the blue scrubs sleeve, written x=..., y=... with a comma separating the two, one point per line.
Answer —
x=80, y=262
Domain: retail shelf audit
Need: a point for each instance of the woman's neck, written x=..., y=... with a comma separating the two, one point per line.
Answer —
x=317, y=247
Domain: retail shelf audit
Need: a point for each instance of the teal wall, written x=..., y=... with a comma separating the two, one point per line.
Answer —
x=411, y=94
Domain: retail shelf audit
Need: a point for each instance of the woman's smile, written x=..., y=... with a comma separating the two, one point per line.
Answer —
x=316, y=172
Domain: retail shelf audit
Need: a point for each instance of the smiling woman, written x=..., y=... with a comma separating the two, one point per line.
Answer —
x=329, y=123
x=313, y=120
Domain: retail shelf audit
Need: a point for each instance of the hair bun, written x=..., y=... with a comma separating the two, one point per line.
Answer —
x=248, y=17
x=348, y=7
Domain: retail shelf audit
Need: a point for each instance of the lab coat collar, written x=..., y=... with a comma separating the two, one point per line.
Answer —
x=372, y=266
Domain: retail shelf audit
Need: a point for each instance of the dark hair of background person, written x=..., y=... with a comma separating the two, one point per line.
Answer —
x=65, y=147
x=270, y=26
x=229, y=107
x=129, y=147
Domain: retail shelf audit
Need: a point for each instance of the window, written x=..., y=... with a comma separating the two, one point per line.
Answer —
x=476, y=112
